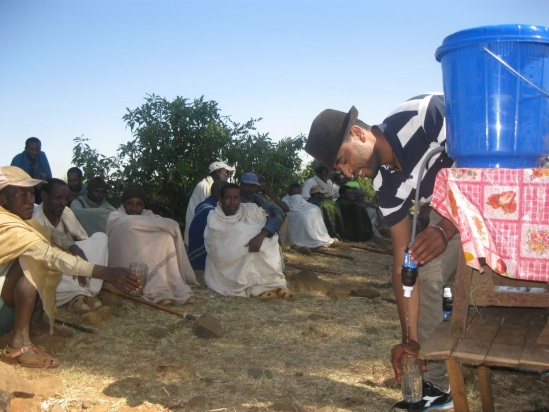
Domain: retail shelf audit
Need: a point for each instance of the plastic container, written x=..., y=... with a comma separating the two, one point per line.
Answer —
x=447, y=302
x=411, y=379
x=496, y=87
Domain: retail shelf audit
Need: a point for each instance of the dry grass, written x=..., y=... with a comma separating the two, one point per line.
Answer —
x=318, y=352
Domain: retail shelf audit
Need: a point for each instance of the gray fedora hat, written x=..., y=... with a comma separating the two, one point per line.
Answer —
x=327, y=133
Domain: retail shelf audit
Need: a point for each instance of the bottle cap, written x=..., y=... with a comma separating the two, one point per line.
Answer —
x=447, y=293
x=408, y=291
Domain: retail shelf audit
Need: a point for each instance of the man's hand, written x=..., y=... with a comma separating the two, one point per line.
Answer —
x=255, y=243
x=432, y=241
x=411, y=347
x=121, y=278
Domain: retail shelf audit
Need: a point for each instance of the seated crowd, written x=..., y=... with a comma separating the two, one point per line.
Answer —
x=60, y=251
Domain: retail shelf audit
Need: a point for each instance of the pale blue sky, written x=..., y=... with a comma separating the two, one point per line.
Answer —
x=72, y=67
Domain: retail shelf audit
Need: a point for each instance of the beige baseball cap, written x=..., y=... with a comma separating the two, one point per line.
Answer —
x=220, y=165
x=14, y=176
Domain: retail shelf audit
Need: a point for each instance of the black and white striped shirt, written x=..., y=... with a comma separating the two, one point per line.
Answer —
x=413, y=130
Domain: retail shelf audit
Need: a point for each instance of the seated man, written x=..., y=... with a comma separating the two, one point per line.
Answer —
x=218, y=171
x=372, y=208
x=358, y=227
x=92, y=210
x=339, y=180
x=249, y=189
x=75, y=180
x=53, y=213
x=320, y=179
x=305, y=225
x=138, y=235
x=197, y=251
x=34, y=162
x=331, y=212
x=239, y=263
x=29, y=267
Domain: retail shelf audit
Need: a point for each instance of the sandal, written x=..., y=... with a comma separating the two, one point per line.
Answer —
x=192, y=300
x=284, y=293
x=166, y=302
x=40, y=360
x=79, y=305
x=268, y=294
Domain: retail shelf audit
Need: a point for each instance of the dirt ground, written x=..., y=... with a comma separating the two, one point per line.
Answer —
x=325, y=350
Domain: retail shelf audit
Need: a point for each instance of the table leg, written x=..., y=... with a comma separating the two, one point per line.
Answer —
x=486, y=395
x=457, y=385
x=462, y=288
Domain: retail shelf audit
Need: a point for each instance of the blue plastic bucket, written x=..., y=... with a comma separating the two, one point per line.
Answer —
x=496, y=87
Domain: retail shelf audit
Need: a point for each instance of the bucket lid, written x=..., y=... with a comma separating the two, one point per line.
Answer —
x=503, y=32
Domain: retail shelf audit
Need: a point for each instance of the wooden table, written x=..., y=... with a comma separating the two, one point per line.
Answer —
x=500, y=316
x=484, y=335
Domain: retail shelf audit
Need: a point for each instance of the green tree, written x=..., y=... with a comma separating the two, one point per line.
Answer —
x=173, y=144
x=278, y=164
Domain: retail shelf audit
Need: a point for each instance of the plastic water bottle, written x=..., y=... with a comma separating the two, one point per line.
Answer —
x=447, y=302
x=409, y=275
x=411, y=378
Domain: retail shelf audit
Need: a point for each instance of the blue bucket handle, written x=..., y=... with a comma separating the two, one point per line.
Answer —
x=499, y=59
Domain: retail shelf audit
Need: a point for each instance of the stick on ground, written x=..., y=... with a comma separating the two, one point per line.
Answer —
x=146, y=302
x=74, y=326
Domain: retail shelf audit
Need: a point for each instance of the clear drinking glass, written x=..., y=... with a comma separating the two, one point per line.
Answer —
x=140, y=270
x=412, y=379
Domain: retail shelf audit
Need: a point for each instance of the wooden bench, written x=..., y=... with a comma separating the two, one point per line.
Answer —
x=490, y=327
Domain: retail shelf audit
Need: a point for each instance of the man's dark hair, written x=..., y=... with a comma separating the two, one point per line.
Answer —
x=293, y=186
x=75, y=169
x=32, y=140
x=50, y=185
x=226, y=187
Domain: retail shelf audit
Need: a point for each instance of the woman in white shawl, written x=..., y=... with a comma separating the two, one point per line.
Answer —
x=138, y=235
x=242, y=260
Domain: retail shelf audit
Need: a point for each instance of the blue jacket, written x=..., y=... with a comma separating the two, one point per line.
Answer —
x=41, y=167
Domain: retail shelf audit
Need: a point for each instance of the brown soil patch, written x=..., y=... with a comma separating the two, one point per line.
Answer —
x=325, y=350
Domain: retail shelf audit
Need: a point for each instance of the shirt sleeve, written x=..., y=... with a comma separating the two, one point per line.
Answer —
x=17, y=161
x=45, y=165
x=306, y=189
x=57, y=259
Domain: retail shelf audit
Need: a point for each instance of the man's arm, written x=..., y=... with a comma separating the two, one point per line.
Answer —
x=432, y=241
x=18, y=161
x=306, y=189
x=45, y=165
x=407, y=307
x=61, y=261
x=275, y=199
x=255, y=243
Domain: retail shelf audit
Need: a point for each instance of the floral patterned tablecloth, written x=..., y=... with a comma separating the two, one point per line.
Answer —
x=502, y=216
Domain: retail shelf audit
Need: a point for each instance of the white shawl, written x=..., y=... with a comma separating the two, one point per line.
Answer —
x=317, y=181
x=305, y=224
x=232, y=270
x=157, y=242
x=95, y=248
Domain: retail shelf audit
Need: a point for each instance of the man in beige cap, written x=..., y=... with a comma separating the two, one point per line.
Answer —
x=218, y=171
x=30, y=266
